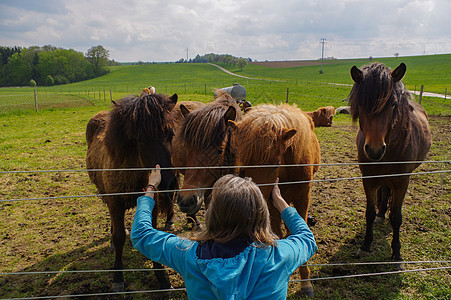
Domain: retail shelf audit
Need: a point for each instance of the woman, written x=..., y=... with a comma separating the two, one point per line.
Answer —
x=237, y=256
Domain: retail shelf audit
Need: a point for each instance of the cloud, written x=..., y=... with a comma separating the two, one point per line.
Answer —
x=156, y=30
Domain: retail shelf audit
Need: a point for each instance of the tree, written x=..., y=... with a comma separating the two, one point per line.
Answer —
x=241, y=63
x=49, y=80
x=98, y=57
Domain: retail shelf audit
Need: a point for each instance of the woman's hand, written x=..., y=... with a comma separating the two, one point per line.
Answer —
x=153, y=181
x=155, y=177
x=277, y=199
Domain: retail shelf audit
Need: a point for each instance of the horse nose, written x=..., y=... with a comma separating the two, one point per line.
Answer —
x=188, y=204
x=375, y=154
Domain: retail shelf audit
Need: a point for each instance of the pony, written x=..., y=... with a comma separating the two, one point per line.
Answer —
x=274, y=135
x=322, y=116
x=203, y=140
x=392, y=128
x=178, y=117
x=136, y=133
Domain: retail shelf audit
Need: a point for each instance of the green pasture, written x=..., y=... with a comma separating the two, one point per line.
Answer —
x=301, y=85
x=73, y=233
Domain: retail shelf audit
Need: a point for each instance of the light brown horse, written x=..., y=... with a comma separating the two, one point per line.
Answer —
x=136, y=133
x=323, y=116
x=392, y=129
x=274, y=135
x=203, y=140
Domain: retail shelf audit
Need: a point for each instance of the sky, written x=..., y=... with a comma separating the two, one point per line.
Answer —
x=168, y=30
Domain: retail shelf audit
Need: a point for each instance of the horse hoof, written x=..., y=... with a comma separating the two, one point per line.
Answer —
x=362, y=253
x=118, y=286
x=401, y=266
x=198, y=227
x=379, y=220
x=307, y=292
x=169, y=227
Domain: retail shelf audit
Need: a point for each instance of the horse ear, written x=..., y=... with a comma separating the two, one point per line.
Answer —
x=230, y=114
x=172, y=101
x=356, y=74
x=114, y=102
x=288, y=134
x=185, y=111
x=399, y=72
x=232, y=124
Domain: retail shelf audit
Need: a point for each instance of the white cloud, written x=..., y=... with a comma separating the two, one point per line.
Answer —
x=156, y=30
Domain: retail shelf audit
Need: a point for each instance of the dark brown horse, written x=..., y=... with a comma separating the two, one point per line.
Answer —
x=279, y=135
x=203, y=140
x=392, y=129
x=136, y=133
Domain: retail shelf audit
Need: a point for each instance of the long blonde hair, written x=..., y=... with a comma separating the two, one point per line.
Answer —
x=237, y=209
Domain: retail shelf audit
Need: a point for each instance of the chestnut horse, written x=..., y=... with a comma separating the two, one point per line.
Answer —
x=203, y=140
x=136, y=133
x=392, y=128
x=323, y=116
x=274, y=135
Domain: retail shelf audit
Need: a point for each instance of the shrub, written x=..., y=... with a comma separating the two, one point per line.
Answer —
x=60, y=79
x=49, y=80
x=32, y=83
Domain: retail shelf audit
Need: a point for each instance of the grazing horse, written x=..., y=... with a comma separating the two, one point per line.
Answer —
x=203, y=140
x=136, y=133
x=274, y=135
x=392, y=128
x=322, y=117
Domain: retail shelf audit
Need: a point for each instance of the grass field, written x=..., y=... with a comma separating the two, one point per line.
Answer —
x=58, y=234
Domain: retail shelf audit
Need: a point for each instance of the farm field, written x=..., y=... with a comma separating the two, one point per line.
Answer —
x=72, y=232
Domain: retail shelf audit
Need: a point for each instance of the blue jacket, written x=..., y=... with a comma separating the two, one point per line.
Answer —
x=255, y=273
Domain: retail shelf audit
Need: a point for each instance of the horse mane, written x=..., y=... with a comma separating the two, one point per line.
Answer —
x=135, y=119
x=267, y=122
x=205, y=127
x=375, y=92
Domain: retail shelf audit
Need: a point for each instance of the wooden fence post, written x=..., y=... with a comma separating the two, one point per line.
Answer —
x=111, y=96
x=421, y=94
x=446, y=91
x=35, y=100
x=288, y=89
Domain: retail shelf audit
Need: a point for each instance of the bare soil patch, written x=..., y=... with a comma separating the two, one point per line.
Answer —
x=287, y=63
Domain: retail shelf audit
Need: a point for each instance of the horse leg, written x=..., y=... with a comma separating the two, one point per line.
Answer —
x=300, y=197
x=169, y=225
x=117, y=212
x=383, y=195
x=370, y=215
x=396, y=221
x=160, y=274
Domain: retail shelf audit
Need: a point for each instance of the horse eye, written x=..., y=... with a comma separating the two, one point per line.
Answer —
x=220, y=150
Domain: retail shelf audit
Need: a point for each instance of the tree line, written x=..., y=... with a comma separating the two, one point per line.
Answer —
x=49, y=65
x=228, y=59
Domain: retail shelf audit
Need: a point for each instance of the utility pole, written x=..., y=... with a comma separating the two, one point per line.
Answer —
x=323, y=41
x=186, y=54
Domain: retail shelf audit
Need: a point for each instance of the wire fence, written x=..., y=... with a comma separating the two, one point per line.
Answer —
x=228, y=167
x=172, y=290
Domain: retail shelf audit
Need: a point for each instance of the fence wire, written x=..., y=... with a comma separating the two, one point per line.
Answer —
x=194, y=189
x=211, y=188
x=228, y=167
x=172, y=290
